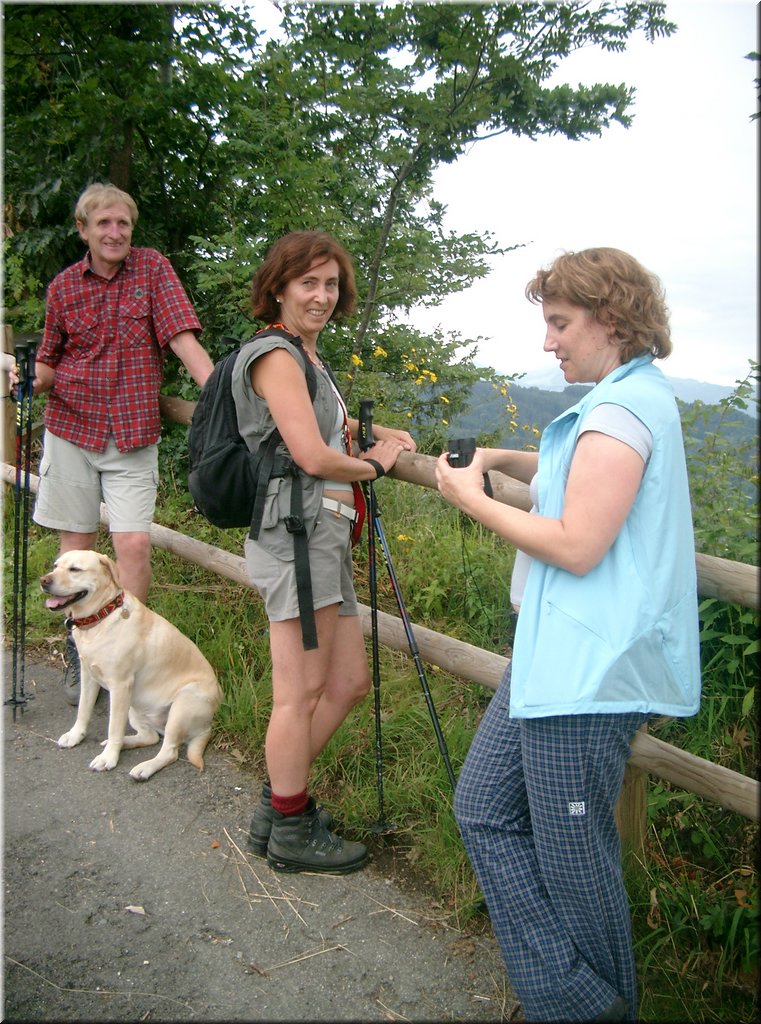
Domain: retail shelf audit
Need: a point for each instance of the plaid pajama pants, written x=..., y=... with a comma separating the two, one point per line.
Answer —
x=535, y=807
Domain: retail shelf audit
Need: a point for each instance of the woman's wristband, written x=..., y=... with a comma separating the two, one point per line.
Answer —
x=379, y=470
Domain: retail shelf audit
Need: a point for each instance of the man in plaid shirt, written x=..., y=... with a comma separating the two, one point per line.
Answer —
x=109, y=320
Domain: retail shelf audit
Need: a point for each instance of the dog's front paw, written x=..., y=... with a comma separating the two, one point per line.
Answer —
x=143, y=771
x=71, y=738
x=105, y=762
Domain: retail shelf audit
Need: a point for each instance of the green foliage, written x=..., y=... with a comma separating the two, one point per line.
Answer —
x=696, y=909
x=461, y=586
x=131, y=93
x=723, y=468
x=724, y=448
x=695, y=912
x=44, y=632
x=21, y=292
x=227, y=143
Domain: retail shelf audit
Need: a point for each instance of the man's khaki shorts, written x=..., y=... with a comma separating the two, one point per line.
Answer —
x=73, y=482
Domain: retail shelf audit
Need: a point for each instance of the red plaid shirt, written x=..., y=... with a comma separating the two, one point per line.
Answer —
x=106, y=341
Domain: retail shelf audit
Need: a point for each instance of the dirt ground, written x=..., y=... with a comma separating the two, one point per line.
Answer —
x=128, y=901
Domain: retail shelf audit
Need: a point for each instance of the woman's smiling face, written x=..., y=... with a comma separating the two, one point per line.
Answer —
x=308, y=300
x=586, y=348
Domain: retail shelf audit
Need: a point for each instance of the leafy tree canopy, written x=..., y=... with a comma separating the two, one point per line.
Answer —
x=227, y=139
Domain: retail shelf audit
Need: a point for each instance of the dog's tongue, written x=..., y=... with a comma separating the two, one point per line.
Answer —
x=55, y=602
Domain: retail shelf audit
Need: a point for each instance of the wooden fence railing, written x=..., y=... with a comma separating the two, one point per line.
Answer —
x=730, y=581
x=713, y=782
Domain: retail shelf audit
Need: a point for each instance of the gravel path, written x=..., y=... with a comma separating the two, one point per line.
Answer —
x=128, y=901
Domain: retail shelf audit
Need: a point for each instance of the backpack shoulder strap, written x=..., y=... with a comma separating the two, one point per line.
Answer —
x=268, y=447
x=295, y=521
x=280, y=332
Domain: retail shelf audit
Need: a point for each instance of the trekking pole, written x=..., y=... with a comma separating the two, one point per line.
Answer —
x=377, y=526
x=366, y=441
x=24, y=354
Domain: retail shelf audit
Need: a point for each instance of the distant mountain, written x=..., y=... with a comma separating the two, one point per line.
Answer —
x=538, y=406
x=689, y=391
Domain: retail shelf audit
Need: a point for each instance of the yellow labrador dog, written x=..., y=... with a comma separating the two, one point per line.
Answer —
x=156, y=677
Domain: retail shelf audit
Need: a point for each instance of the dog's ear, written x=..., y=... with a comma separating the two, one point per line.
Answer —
x=111, y=568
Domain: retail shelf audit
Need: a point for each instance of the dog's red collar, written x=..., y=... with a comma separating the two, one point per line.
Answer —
x=91, y=620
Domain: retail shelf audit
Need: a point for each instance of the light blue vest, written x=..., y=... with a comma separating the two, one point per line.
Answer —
x=624, y=637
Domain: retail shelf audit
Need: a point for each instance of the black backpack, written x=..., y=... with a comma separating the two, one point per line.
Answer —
x=229, y=483
x=225, y=478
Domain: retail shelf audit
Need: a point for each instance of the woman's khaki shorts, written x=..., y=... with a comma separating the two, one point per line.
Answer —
x=73, y=482
x=329, y=563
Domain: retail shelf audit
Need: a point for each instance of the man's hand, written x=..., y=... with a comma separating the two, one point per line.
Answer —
x=43, y=379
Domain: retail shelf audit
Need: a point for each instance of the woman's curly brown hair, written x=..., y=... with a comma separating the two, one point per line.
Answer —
x=617, y=290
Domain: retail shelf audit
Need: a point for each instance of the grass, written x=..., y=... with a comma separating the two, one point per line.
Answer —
x=694, y=898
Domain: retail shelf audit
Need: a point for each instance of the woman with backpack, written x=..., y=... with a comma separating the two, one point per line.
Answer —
x=306, y=280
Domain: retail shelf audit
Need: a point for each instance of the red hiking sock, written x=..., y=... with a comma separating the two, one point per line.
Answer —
x=290, y=805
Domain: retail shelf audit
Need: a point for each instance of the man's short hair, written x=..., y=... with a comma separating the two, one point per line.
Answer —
x=98, y=195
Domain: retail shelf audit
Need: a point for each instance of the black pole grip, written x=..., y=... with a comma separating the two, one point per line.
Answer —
x=24, y=353
x=31, y=369
x=365, y=439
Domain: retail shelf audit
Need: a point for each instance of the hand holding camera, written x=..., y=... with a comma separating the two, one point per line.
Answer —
x=461, y=452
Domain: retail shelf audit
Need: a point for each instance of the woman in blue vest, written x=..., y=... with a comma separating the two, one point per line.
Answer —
x=606, y=637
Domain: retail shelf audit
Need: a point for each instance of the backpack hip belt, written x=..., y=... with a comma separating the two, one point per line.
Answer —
x=348, y=511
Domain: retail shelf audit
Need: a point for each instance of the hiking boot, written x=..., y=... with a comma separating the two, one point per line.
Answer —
x=261, y=823
x=71, y=672
x=300, y=842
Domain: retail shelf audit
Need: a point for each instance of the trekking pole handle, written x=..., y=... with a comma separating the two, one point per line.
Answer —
x=365, y=439
x=24, y=354
x=31, y=368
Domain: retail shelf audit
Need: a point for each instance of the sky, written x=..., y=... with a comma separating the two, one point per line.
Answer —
x=677, y=190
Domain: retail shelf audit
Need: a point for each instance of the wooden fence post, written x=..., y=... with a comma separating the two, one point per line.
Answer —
x=631, y=814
